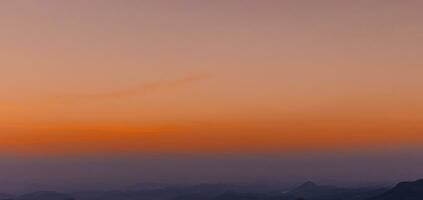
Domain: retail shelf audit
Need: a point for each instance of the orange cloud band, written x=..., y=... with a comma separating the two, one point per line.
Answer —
x=221, y=137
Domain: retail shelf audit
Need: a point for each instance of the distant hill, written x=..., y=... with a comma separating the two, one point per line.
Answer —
x=197, y=192
x=147, y=186
x=253, y=196
x=306, y=191
x=312, y=191
x=45, y=195
x=4, y=196
x=403, y=191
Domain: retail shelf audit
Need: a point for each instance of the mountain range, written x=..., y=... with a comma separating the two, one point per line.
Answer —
x=306, y=191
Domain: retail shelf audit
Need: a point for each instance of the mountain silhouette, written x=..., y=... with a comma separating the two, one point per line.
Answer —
x=4, y=196
x=403, y=191
x=313, y=191
x=195, y=192
x=45, y=195
x=253, y=196
x=306, y=191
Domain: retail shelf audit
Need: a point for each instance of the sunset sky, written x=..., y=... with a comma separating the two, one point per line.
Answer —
x=123, y=78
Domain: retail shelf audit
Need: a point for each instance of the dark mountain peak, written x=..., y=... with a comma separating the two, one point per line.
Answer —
x=308, y=184
x=409, y=184
x=404, y=191
x=147, y=186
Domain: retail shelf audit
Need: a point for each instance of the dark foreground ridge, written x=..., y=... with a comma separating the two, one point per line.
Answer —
x=307, y=191
x=403, y=191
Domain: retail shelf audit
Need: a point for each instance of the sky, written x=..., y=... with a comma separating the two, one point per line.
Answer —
x=163, y=79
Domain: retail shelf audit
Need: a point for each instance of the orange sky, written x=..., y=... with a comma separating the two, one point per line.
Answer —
x=221, y=76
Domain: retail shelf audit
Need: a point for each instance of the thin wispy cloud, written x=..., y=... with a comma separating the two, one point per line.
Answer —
x=131, y=91
x=141, y=90
x=15, y=109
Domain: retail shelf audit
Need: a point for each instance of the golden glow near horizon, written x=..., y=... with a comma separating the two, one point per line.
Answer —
x=225, y=76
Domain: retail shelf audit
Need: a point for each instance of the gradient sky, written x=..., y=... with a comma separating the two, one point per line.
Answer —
x=192, y=77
